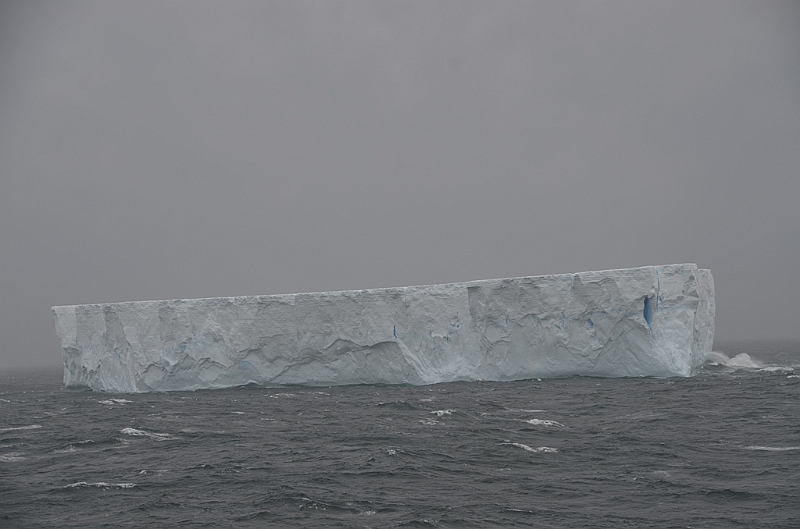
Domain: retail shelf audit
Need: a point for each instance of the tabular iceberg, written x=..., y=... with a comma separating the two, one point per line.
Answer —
x=648, y=321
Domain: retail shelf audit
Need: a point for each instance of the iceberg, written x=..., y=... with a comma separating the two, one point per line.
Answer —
x=649, y=321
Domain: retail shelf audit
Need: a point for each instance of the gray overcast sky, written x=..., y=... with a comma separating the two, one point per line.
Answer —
x=181, y=149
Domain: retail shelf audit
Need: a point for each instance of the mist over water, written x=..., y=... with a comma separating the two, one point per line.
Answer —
x=721, y=449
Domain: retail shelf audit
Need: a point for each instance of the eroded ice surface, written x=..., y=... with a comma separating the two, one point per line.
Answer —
x=648, y=321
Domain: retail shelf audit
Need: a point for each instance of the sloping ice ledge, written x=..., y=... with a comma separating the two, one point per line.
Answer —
x=648, y=321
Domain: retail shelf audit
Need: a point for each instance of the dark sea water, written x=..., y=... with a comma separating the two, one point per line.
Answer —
x=721, y=449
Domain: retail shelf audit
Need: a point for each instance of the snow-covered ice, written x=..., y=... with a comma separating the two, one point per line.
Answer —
x=648, y=321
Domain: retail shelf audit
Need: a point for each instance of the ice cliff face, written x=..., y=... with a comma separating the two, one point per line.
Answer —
x=651, y=321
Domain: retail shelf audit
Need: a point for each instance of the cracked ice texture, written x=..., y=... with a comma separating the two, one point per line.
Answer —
x=648, y=321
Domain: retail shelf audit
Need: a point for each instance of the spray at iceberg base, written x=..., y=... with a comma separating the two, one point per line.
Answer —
x=648, y=321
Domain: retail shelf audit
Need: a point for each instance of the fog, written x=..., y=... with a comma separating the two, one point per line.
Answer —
x=159, y=150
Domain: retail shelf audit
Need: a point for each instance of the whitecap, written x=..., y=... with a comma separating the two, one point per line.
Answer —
x=275, y=396
x=544, y=422
x=440, y=413
x=66, y=450
x=237, y=412
x=31, y=427
x=772, y=448
x=537, y=449
x=111, y=402
x=99, y=485
x=11, y=457
x=141, y=433
x=428, y=422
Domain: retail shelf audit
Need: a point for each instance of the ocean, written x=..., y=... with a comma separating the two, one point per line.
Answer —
x=721, y=449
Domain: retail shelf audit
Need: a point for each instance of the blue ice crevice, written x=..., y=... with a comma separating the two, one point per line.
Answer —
x=648, y=312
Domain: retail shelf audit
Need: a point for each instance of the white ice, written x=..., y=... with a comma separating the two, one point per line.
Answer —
x=648, y=321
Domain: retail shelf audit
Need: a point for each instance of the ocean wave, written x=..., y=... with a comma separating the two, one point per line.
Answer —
x=111, y=402
x=772, y=448
x=99, y=485
x=544, y=422
x=277, y=395
x=30, y=427
x=537, y=449
x=778, y=369
x=142, y=433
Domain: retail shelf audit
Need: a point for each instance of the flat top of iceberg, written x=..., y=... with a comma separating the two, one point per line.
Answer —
x=609, y=272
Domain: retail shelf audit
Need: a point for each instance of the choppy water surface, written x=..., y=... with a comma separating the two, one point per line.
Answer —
x=721, y=449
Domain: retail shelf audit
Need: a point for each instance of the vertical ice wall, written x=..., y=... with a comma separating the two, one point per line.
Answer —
x=648, y=321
